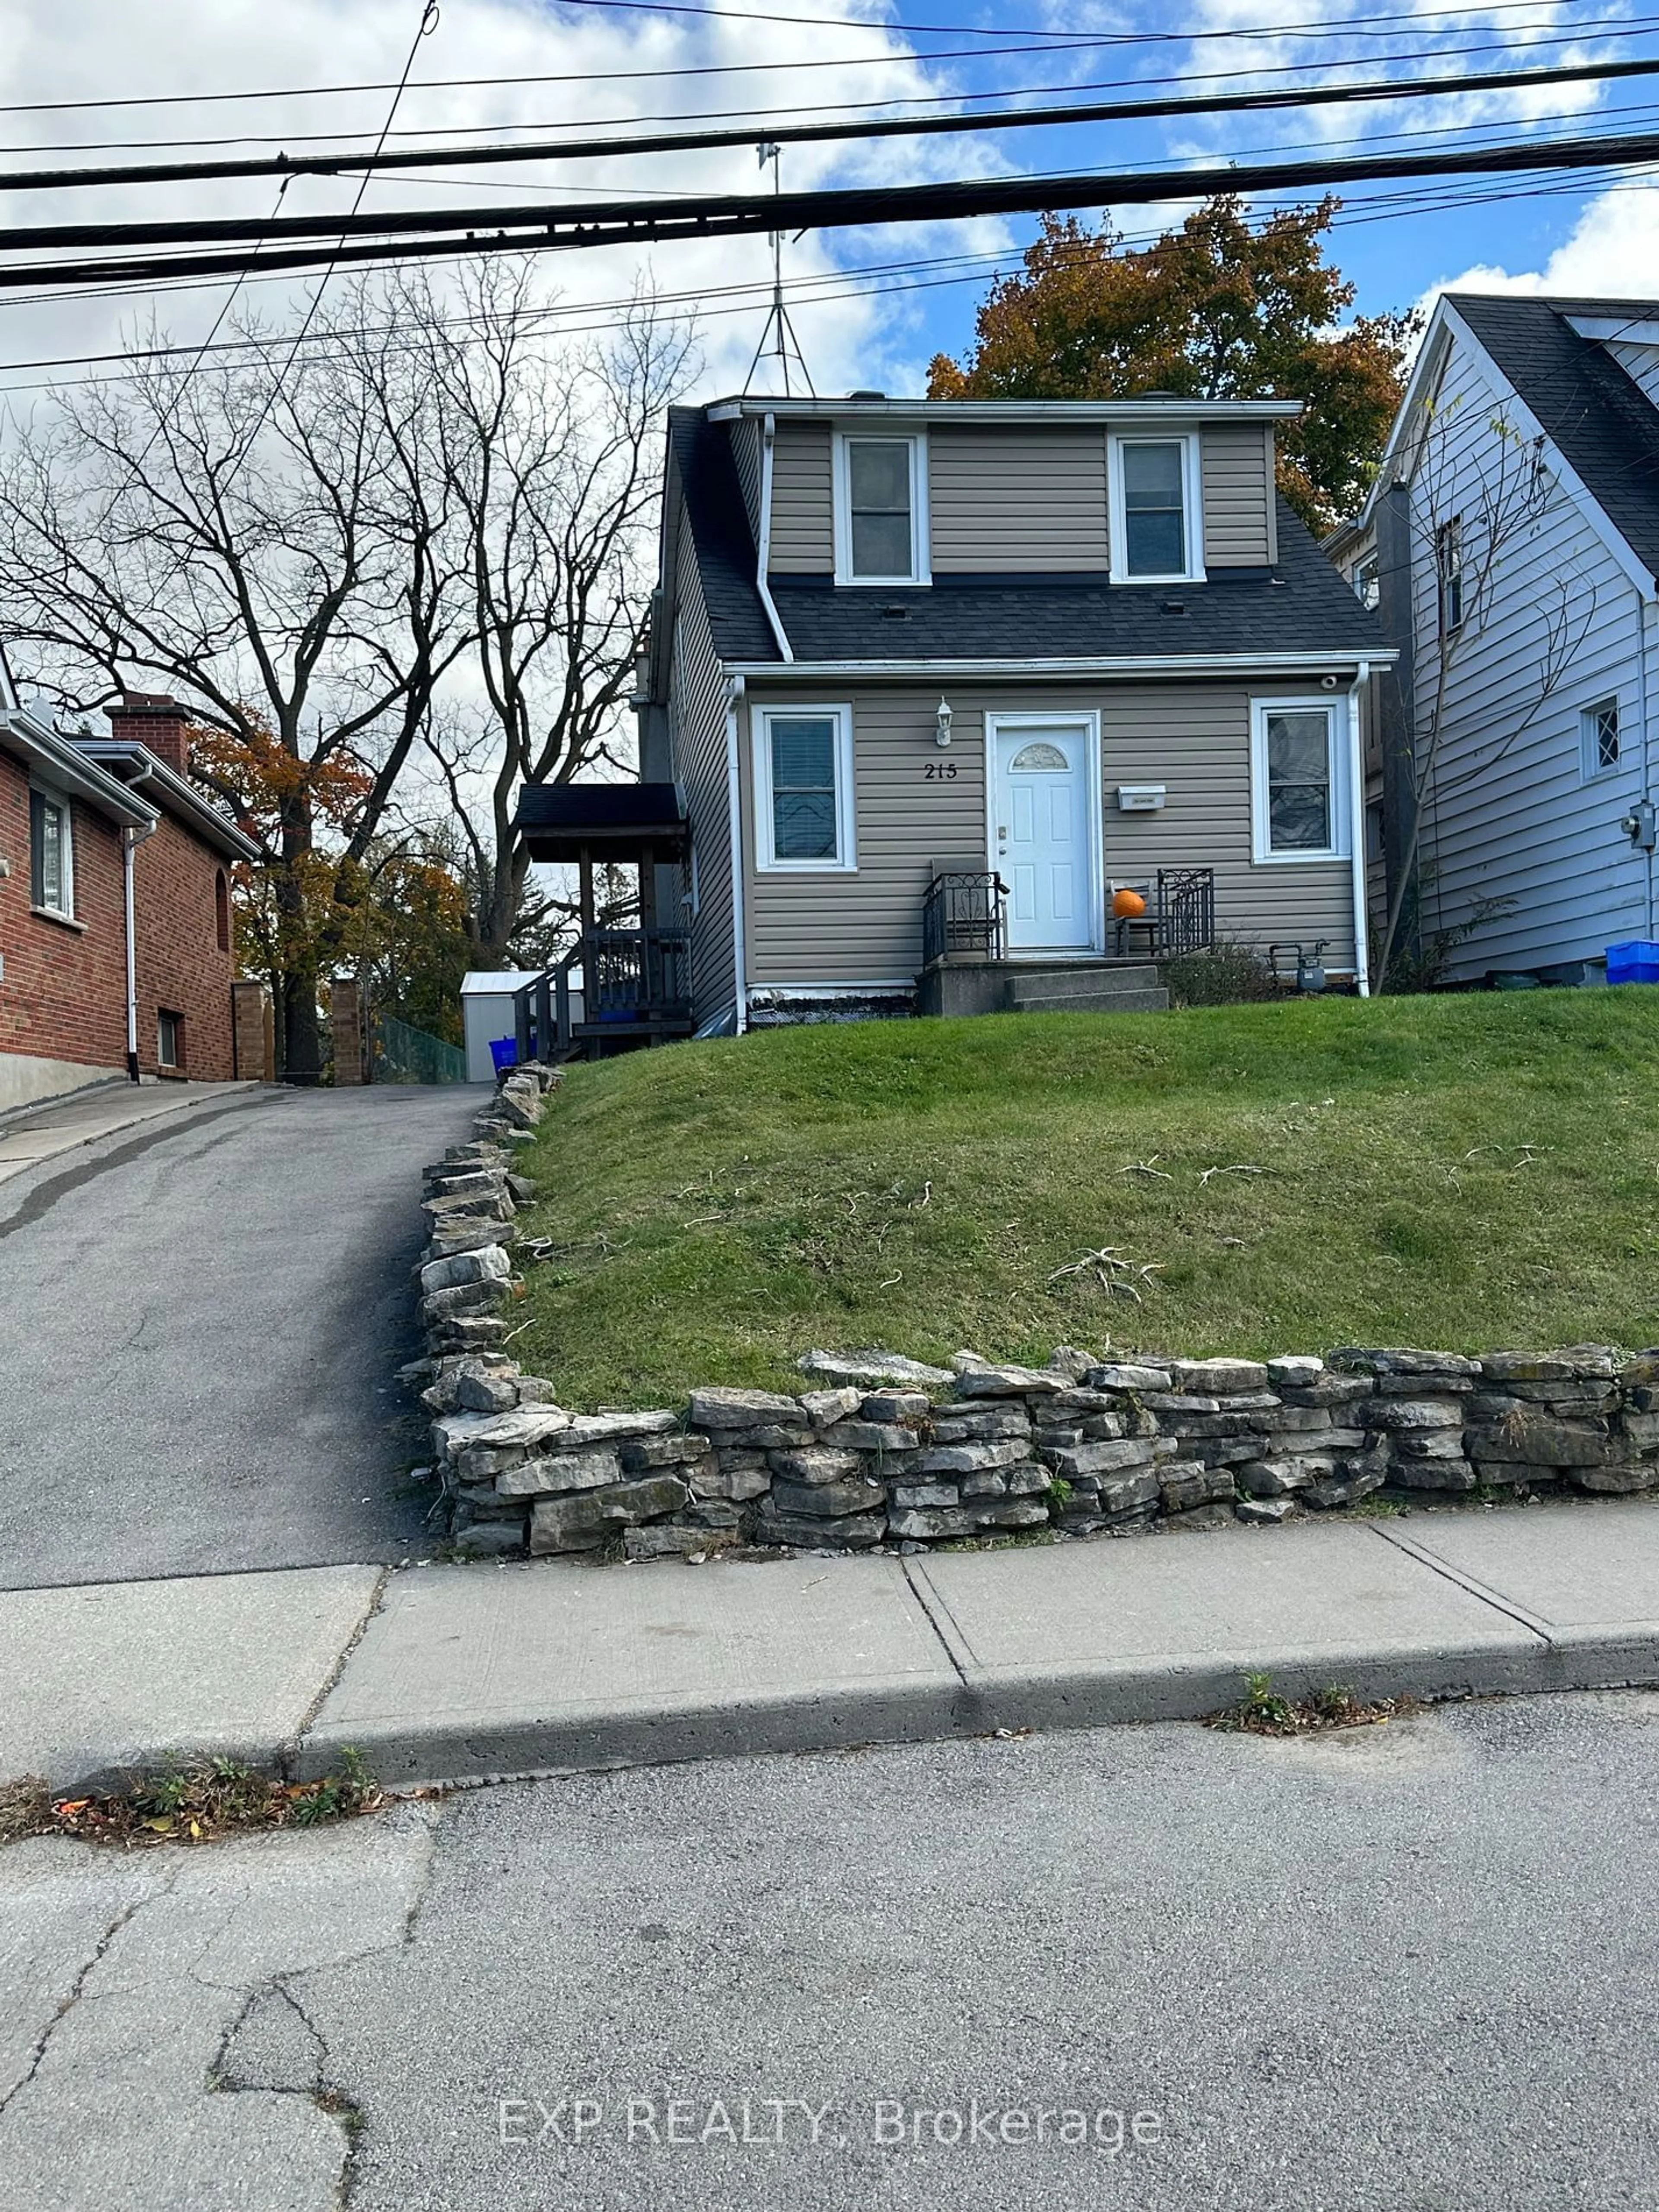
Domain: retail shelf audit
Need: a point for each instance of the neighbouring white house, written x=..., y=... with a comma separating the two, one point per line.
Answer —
x=1510, y=548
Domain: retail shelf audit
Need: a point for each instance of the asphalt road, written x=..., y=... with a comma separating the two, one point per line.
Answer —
x=1406, y=1970
x=200, y=1322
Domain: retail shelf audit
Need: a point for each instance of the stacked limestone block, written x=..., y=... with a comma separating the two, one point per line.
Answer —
x=889, y=1453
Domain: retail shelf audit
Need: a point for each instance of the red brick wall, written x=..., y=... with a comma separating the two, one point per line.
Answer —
x=181, y=965
x=64, y=993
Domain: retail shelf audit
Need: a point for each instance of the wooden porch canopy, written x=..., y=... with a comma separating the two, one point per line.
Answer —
x=640, y=823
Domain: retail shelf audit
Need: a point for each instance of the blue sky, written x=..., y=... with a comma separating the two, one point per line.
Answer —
x=252, y=76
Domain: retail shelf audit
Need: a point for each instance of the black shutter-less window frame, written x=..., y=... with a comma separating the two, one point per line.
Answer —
x=37, y=850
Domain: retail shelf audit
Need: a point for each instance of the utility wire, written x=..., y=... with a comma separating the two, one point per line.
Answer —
x=1547, y=35
x=684, y=141
x=972, y=268
x=1340, y=26
x=556, y=228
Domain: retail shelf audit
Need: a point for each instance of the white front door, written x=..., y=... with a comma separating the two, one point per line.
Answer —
x=1041, y=846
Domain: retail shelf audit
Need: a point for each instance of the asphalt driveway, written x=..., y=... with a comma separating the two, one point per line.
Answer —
x=198, y=1326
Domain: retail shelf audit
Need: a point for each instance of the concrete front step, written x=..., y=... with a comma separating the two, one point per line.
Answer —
x=1094, y=1002
x=1079, y=978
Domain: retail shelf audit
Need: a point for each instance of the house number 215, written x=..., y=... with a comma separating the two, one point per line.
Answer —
x=939, y=772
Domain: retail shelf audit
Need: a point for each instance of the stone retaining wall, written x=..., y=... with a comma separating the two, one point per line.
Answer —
x=884, y=1451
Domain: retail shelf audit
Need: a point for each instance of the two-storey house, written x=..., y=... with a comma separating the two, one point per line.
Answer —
x=936, y=680
x=1511, y=546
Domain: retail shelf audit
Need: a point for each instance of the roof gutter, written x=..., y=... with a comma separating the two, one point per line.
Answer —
x=763, y=556
x=1161, y=664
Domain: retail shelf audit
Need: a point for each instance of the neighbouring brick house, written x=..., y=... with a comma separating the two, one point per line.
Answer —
x=116, y=947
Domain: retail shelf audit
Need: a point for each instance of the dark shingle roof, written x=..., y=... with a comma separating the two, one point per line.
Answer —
x=1302, y=606
x=1602, y=422
x=720, y=531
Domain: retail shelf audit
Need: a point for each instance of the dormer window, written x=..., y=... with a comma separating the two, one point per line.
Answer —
x=1156, y=527
x=881, y=507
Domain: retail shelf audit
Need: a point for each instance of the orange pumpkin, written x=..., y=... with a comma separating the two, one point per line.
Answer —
x=1127, y=906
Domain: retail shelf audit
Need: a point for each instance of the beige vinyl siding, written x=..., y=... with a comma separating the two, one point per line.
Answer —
x=746, y=437
x=696, y=722
x=1196, y=743
x=1237, y=468
x=1017, y=500
x=807, y=929
x=803, y=507
x=867, y=928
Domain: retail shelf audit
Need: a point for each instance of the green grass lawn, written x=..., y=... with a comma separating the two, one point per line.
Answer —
x=1468, y=1173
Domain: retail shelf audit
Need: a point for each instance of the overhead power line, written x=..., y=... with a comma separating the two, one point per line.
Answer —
x=1389, y=20
x=683, y=141
x=1511, y=42
x=563, y=227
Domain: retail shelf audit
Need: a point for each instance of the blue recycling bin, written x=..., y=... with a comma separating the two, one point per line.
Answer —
x=504, y=1051
x=1636, y=961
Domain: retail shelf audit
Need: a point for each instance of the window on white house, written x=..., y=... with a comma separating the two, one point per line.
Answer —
x=1598, y=738
x=1298, y=782
x=881, y=510
x=1368, y=583
x=169, y=1039
x=804, y=787
x=52, y=854
x=1157, y=531
x=1449, y=567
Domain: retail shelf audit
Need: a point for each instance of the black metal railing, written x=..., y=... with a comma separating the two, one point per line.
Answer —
x=962, y=915
x=631, y=980
x=1186, y=910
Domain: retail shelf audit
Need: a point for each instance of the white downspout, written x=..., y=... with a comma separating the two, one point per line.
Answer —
x=763, y=557
x=1357, y=831
x=130, y=841
x=734, y=806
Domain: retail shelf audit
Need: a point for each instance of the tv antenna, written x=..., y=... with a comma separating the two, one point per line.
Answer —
x=778, y=340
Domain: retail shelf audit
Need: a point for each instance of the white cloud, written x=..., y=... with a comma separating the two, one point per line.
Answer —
x=1612, y=251
x=98, y=48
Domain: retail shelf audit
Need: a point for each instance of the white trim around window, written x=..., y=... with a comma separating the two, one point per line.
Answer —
x=51, y=853
x=915, y=442
x=1192, y=483
x=843, y=861
x=1337, y=846
x=1599, y=742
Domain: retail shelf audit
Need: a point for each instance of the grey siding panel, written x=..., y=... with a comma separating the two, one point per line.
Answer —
x=1526, y=864
x=1237, y=460
x=746, y=437
x=697, y=719
x=803, y=519
x=866, y=926
x=1017, y=500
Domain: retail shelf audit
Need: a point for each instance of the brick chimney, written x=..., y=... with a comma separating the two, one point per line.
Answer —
x=152, y=719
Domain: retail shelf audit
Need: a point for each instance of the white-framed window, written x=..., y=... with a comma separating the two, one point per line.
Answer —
x=1598, y=739
x=803, y=802
x=169, y=1039
x=1299, y=781
x=1367, y=581
x=881, y=506
x=1155, y=494
x=51, y=853
x=1448, y=570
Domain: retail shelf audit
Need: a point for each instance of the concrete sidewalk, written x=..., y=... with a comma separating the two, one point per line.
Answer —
x=34, y=1134
x=461, y=1673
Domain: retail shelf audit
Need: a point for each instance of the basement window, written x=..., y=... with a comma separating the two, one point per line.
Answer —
x=169, y=1040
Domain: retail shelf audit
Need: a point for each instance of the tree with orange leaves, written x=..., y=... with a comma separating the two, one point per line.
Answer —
x=1215, y=309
